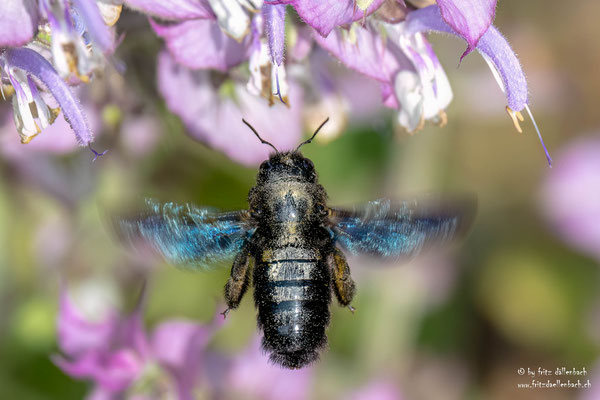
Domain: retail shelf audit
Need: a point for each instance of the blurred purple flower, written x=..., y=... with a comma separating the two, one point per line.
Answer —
x=116, y=354
x=216, y=117
x=140, y=134
x=377, y=390
x=252, y=375
x=74, y=35
x=571, y=196
x=37, y=164
x=18, y=22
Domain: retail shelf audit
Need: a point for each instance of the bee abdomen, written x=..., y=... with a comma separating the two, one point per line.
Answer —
x=293, y=296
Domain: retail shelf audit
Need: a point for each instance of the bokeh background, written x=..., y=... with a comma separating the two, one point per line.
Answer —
x=521, y=290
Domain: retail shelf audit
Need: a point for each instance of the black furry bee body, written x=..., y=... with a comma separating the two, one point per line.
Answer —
x=286, y=246
x=294, y=261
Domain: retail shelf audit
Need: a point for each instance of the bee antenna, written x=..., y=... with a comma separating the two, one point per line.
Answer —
x=258, y=136
x=313, y=136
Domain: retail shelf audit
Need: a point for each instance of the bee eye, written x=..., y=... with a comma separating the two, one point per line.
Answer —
x=266, y=166
x=255, y=213
x=307, y=165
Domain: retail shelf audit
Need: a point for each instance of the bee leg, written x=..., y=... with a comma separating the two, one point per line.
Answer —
x=343, y=284
x=238, y=282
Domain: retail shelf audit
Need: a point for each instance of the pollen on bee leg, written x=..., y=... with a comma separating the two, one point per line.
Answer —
x=516, y=116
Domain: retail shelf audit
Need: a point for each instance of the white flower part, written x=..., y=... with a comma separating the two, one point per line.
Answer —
x=409, y=91
x=440, y=86
x=279, y=83
x=110, y=10
x=96, y=298
x=70, y=55
x=30, y=112
x=231, y=17
x=432, y=80
x=260, y=59
x=436, y=88
x=252, y=5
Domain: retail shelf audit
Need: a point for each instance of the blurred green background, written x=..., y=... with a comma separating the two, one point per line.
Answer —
x=451, y=325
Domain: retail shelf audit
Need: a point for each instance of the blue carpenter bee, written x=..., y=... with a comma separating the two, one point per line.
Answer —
x=287, y=244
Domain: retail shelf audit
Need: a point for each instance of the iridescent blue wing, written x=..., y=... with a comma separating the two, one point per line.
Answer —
x=188, y=236
x=402, y=229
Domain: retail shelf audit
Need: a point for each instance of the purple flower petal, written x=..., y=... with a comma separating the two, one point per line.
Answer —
x=179, y=346
x=112, y=353
x=76, y=334
x=218, y=121
x=99, y=32
x=114, y=371
x=173, y=340
x=18, y=22
x=275, y=27
x=200, y=44
x=470, y=19
x=173, y=10
x=253, y=376
x=492, y=44
x=36, y=65
x=131, y=334
x=368, y=54
x=99, y=393
x=324, y=15
x=365, y=53
x=388, y=96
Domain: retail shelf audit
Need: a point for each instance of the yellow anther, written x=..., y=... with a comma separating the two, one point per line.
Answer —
x=54, y=112
x=26, y=139
x=516, y=116
x=442, y=119
x=7, y=91
x=419, y=126
x=363, y=4
x=110, y=12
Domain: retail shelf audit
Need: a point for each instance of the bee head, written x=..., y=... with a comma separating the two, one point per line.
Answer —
x=289, y=165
